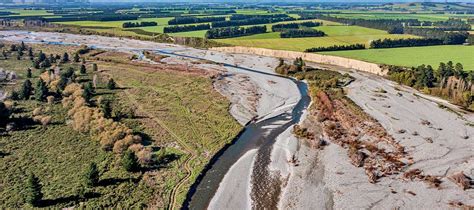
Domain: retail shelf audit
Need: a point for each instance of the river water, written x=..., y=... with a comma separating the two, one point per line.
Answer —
x=261, y=135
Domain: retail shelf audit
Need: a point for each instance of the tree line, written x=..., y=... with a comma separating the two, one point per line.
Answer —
x=392, y=26
x=243, y=17
x=94, y=17
x=228, y=32
x=189, y=20
x=304, y=32
x=411, y=42
x=336, y=48
x=447, y=37
x=250, y=21
x=176, y=29
x=285, y=26
x=138, y=24
x=452, y=24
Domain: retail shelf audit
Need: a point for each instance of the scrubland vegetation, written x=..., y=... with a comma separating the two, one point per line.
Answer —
x=71, y=117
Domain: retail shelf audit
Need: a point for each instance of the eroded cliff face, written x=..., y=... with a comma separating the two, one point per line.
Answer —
x=311, y=57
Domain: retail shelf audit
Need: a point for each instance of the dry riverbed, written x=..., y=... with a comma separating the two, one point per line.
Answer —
x=438, y=141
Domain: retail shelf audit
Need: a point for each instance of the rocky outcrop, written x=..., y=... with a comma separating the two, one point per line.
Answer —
x=311, y=57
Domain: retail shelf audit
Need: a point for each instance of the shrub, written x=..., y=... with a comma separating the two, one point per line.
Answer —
x=26, y=89
x=91, y=176
x=129, y=161
x=111, y=84
x=33, y=190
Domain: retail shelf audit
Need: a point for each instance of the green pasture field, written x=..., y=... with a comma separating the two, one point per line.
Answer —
x=337, y=35
x=23, y=12
x=414, y=56
x=421, y=17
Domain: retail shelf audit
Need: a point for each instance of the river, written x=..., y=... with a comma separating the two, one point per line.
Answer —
x=281, y=108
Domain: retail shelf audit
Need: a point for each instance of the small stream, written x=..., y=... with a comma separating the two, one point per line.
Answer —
x=259, y=135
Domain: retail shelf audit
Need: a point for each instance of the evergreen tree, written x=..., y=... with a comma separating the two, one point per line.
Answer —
x=45, y=64
x=91, y=177
x=18, y=56
x=76, y=57
x=4, y=112
x=13, y=48
x=22, y=46
x=129, y=161
x=83, y=69
x=111, y=84
x=41, y=56
x=52, y=59
x=33, y=190
x=41, y=90
x=88, y=91
x=106, y=108
x=26, y=89
x=30, y=52
x=65, y=58
x=28, y=73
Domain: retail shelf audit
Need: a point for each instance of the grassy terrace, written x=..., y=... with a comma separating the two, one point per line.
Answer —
x=414, y=56
x=174, y=111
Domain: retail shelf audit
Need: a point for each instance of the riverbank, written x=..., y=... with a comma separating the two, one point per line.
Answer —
x=267, y=97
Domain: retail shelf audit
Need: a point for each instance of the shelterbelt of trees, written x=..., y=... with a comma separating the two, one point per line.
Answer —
x=138, y=24
x=176, y=29
x=448, y=81
x=391, y=43
x=304, y=32
x=337, y=48
x=284, y=26
x=251, y=20
x=229, y=32
x=443, y=30
x=190, y=20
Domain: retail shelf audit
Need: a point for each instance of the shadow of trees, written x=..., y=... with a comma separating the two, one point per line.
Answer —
x=68, y=199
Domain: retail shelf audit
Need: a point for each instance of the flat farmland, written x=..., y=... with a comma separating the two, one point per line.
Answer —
x=337, y=35
x=414, y=56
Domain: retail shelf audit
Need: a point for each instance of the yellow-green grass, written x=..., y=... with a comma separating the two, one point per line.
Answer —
x=58, y=156
x=337, y=35
x=186, y=103
x=414, y=56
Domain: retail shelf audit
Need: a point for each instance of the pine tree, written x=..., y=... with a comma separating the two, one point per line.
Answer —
x=76, y=57
x=28, y=73
x=33, y=190
x=30, y=52
x=83, y=69
x=65, y=58
x=22, y=46
x=41, y=56
x=111, y=84
x=25, y=91
x=41, y=90
x=129, y=161
x=106, y=108
x=91, y=177
x=88, y=91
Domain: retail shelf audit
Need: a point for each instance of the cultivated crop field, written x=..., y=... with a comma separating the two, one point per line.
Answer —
x=414, y=56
